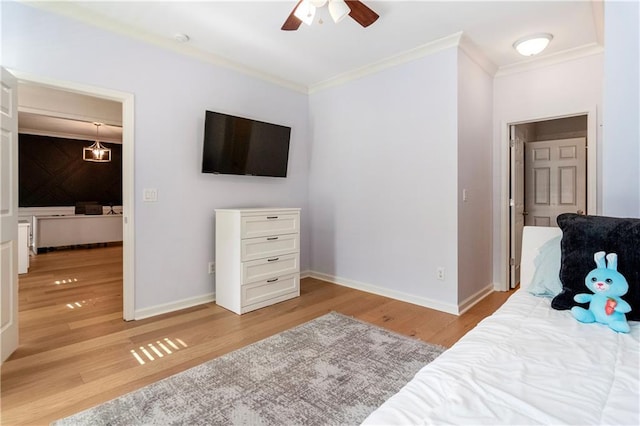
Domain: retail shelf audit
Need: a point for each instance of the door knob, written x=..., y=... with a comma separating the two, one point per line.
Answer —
x=581, y=212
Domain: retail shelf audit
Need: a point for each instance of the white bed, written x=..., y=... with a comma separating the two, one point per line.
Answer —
x=526, y=364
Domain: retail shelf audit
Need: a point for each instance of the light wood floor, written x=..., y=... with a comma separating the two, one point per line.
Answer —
x=76, y=351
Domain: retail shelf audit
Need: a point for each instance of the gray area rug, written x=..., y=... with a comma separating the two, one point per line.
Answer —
x=333, y=370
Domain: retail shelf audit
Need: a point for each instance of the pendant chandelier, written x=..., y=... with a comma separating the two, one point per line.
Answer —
x=96, y=152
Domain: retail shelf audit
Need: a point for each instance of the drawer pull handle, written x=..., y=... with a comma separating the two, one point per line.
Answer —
x=273, y=259
x=272, y=280
x=272, y=217
x=272, y=238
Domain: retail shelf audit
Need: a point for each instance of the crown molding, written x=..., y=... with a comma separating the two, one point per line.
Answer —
x=392, y=61
x=553, y=59
x=73, y=11
x=477, y=55
x=459, y=39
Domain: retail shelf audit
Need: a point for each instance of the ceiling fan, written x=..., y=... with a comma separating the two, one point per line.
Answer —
x=304, y=11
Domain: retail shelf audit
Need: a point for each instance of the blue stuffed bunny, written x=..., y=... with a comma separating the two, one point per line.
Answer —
x=605, y=305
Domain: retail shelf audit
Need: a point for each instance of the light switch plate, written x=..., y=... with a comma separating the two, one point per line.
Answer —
x=150, y=195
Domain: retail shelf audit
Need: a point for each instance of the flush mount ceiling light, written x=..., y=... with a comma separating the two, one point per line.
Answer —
x=533, y=44
x=96, y=152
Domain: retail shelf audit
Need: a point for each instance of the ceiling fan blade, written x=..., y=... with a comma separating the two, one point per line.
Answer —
x=362, y=14
x=292, y=23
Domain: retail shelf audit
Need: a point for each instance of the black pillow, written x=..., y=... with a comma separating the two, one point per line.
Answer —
x=582, y=237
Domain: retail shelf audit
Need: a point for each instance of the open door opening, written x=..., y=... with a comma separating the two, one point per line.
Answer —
x=547, y=177
x=128, y=240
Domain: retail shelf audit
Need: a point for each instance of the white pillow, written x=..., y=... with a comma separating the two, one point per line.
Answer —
x=546, y=277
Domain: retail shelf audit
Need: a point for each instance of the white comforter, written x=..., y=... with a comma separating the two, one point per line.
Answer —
x=526, y=364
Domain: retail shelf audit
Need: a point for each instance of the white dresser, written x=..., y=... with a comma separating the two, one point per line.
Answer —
x=257, y=257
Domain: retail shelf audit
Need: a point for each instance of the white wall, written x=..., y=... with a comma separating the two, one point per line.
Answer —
x=385, y=176
x=475, y=131
x=174, y=236
x=621, y=134
x=383, y=181
x=570, y=87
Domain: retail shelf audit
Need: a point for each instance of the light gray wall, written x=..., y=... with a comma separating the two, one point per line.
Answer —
x=475, y=132
x=375, y=167
x=621, y=134
x=569, y=87
x=174, y=236
x=383, y=180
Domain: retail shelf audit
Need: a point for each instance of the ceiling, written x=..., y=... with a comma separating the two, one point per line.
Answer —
x=246, y=35
x=49, y=111
x=47, y=125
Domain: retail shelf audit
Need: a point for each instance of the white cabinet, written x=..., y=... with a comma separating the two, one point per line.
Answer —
x=257, y=257
x=24, y=228
x=75, y=229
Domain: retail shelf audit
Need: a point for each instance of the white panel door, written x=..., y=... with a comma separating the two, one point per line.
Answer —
x=8, y=215
x=516, y=197
x=556, y=180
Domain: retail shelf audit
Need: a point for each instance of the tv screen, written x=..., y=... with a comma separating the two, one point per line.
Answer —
x=241, y=146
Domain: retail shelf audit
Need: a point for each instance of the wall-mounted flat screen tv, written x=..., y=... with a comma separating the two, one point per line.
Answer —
x=241, y=146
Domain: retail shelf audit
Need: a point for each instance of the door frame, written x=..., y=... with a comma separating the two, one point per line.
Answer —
x=128, y=188
x=593, y=203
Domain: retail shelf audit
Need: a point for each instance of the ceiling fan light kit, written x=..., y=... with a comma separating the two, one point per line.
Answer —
x=338, y=10
x=305, y=10
x=533, y=44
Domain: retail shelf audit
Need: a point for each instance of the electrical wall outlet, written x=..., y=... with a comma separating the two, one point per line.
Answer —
x=212, y=267
x=440, y=273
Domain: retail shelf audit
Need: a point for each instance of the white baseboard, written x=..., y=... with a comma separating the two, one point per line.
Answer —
x=470, y=301
x=369, y=288
x=173, y=306
x=398, y=295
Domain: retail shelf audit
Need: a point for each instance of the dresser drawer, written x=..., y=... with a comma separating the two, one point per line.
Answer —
x=271, y=267
x=257, y=248
x=269, y=224
x=275, y=289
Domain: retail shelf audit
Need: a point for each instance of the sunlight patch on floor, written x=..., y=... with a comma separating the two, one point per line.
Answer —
x=159, y=349
x=66, y=281
x=76, y=305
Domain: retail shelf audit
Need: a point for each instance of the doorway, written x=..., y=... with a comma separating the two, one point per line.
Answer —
x=548, y=175
x=128, y=242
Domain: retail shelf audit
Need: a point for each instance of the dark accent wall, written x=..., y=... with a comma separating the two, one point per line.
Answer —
x=53, y=173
